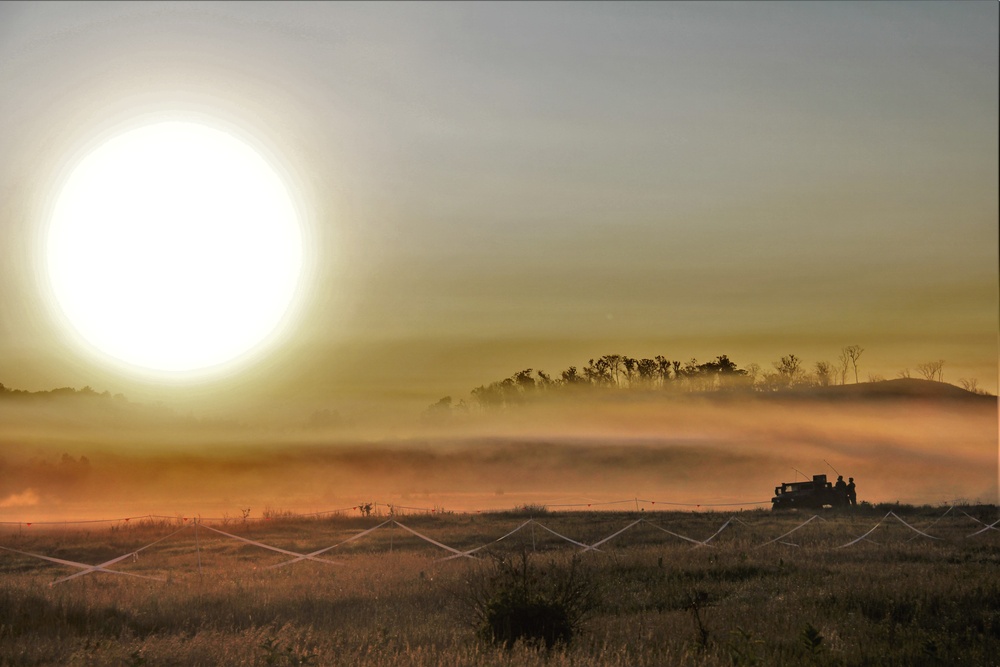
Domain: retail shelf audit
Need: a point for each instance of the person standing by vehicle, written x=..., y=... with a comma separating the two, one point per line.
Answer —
x=852, y=494
x=840, y=489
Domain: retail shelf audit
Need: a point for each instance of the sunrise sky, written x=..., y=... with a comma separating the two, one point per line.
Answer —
x=494, y=186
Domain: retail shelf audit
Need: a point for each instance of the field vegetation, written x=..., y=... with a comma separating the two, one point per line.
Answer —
x=644, y=597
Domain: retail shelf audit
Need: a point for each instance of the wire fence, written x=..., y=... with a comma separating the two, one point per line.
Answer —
x=754, y=536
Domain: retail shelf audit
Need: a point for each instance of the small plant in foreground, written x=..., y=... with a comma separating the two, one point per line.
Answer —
x=514, y=600
x=695, y=601
x=812, y=640
x=274, y=654
x=744, y=649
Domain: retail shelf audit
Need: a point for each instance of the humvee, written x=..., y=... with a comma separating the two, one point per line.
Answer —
x=813, y=494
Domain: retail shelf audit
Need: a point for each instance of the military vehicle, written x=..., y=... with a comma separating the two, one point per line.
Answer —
x=816, y=493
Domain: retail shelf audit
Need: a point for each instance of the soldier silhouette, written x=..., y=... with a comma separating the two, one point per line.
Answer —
x=841, y=490
x=852, y=494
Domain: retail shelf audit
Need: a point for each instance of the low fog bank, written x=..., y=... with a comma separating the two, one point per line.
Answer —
x=61, y=463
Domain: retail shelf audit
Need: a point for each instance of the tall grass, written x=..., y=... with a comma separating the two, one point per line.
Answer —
x=656, y=599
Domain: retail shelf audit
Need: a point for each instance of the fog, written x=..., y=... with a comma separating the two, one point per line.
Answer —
x=87, y=456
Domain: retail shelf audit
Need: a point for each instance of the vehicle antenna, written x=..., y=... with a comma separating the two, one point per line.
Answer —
x=800, y=472
x=831, y=467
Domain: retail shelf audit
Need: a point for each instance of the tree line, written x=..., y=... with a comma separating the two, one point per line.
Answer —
x=86, y=392
x=618, y=371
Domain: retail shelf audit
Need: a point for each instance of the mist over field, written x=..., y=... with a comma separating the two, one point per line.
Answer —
x=271, y=266
x=88, y=456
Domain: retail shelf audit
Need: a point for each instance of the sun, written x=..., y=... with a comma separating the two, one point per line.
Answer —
x=174, y=247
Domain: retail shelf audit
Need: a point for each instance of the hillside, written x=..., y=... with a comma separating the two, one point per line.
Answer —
x=898, y=388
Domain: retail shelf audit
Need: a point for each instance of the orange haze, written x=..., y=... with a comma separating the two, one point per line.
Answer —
x=70, y=459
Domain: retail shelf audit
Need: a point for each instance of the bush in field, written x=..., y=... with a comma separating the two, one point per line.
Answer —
x=514, y=600
x=510, y=618
x=534, y=509
x=275, y=654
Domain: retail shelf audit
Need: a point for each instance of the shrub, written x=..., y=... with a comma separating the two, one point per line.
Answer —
x=533, y=509
x=514, y=600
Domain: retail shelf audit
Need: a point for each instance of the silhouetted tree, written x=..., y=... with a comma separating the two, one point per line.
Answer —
x=439, y=410
x=932, y=370
x=571, y=377
x=845, y=362
x=720, y=373
x=523, y=380
x=647, y=370
x=722, y=365
x=772, y=381
x=789, y=369
x=630, y=365
x=696, y=377
x=664, y=367
x=824, y=373
x=852, y=353
x=971, y=384
x=598, y=372
x=489, y=396
x=614, y=365
x=510, y=391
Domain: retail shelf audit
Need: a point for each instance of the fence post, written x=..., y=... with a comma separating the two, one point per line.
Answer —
x=197, y=546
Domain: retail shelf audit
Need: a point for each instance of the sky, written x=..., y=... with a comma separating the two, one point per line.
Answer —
x=489, y=187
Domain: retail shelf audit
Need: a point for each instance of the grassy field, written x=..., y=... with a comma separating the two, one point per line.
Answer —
x=646, y=597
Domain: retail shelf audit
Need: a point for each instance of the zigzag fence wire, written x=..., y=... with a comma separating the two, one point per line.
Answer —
x=607, y=542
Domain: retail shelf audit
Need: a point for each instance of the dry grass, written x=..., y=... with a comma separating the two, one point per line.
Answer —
x=659, y=600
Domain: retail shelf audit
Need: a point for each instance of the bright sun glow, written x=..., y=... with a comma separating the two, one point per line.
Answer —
x=174, y=247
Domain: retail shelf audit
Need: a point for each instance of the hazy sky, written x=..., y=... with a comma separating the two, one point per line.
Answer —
x=492, y=187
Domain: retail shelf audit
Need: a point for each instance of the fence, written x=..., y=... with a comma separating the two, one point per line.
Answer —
x=200, y=525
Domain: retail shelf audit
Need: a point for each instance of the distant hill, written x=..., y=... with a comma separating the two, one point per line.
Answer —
x=898, y=388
